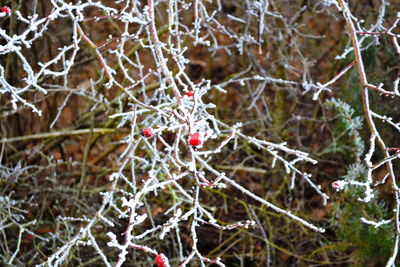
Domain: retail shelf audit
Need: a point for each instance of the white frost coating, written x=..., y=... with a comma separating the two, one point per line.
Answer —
x=165, y=164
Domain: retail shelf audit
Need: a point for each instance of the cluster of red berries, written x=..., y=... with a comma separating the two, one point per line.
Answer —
x=194, y=140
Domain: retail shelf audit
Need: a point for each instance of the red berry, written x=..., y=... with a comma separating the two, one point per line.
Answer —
x=147, y=132
x=6, y=10
x=335, y=185
x=160, y=261
x=189, y=94
x=195, y=139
